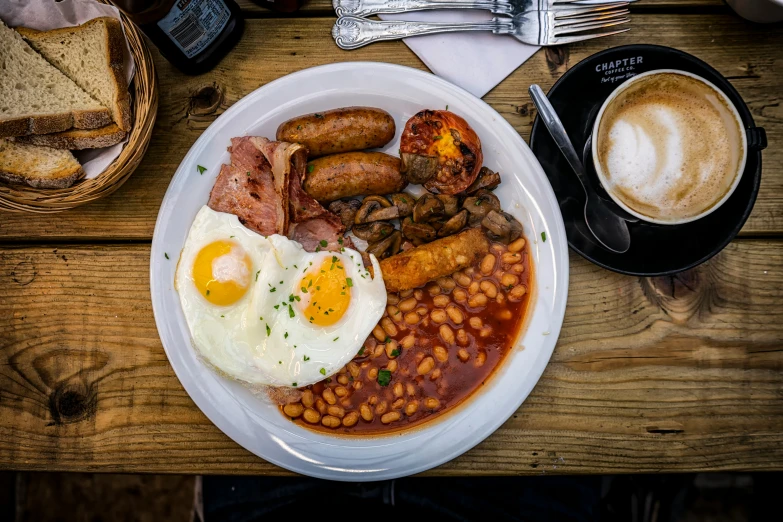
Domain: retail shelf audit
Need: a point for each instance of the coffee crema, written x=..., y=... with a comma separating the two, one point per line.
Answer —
x=669, y=147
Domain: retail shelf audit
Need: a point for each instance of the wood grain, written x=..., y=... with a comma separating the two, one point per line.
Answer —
x=666, y=374
x=324, y=7
x=746, y=53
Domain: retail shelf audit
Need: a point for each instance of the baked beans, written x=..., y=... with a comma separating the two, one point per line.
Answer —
x=433, y=347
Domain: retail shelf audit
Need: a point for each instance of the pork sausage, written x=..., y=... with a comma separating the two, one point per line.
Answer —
x=353, y=174
x=339, y=130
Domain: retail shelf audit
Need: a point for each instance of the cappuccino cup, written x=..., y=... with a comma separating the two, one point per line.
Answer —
x=669, y=147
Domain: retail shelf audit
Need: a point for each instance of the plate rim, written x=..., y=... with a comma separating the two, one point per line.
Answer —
x=560, y=250
x=745, y=113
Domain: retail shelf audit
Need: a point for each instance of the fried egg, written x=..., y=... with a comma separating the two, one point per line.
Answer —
x=266, y=312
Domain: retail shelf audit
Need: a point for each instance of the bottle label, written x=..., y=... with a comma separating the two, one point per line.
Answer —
x=194, y=24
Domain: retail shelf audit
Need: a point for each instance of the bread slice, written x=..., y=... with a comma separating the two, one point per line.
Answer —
x=36, y=98
x=39, y=167
x=91, y=55
x=78, y=139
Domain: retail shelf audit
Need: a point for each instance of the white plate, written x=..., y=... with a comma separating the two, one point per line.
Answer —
x=256, y=423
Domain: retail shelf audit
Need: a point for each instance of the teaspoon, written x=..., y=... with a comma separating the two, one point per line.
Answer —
x=608, y=228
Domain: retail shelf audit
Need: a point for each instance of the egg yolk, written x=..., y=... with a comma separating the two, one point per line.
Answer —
x=325, y=292
x=221, y=272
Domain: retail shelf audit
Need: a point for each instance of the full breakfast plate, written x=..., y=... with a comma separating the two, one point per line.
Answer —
x=437, y=333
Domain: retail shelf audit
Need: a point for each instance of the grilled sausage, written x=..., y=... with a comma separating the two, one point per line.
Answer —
x=417, y=266
x=339, y=130
x=353, y=174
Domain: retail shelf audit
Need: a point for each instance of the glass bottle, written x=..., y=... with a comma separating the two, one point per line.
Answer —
x=194, y=35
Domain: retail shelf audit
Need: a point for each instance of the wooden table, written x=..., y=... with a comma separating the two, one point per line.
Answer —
x=679, y=373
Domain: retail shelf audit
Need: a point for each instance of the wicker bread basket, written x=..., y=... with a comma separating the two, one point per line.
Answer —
x=144, y=101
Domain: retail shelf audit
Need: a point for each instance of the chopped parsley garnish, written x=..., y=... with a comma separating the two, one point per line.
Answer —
x=437, y=138
x=304, y=290
x=509, y=287
x=273, y=289
x=268, y=330
x=447, y=107
x=207, y=292
x=281, y=282
x=318, y=249
x=335, y=339
x=296, y=266
x=543, y=237
x=290, y=314
x=279, y=362
x=384, y=377
x=167, y=256
x=311, y=318
x=293, y=384
x=395, y=353
x=319, y=116
x=361, y=352
x=323, y=243
x=323, y=371
x=260, y=318
x=478, y=203
x=221, y=315
x=340, y=240
x=285, y=335
x=317, y=287
x=387, y=339
x=310, y=284
x=305, y=358
x=310, y=168
x=257, y=274
x=349, y=282
x=277, y=307
x=201, y=169
x=231, y=237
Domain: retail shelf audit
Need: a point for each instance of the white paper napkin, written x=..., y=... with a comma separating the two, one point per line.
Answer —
x=476, y=61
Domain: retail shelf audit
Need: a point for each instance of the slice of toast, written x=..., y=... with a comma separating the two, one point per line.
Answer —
x=36, y=98
x=91, y=55
x=78, y=139
x=39, y=167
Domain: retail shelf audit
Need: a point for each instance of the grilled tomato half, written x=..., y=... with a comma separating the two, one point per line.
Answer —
x=440, y=151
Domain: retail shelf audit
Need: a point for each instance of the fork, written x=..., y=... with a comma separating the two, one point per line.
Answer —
x=535, y=27
x=365, y=8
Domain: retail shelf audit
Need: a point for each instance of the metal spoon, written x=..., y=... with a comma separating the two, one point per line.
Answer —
x=609, y=229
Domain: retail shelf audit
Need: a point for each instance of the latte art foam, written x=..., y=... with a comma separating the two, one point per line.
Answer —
x=669, y=147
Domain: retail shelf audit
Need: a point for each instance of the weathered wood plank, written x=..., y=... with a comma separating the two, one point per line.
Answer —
x=312, y=7
x=669, y=374
x=746, y=53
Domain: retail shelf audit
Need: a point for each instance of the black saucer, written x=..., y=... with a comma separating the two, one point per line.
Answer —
x=655, y=249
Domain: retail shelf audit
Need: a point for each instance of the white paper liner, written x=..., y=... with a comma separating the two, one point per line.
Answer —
x=45, y=15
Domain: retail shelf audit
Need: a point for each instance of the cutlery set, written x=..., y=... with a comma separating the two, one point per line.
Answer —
x=536, y=22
